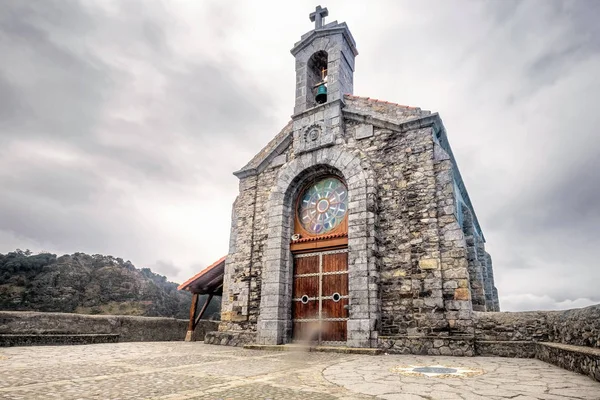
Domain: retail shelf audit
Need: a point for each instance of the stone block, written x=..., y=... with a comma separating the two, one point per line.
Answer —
x=462, y=294
x=429, y=263
x=279, y=160
x=363, y=131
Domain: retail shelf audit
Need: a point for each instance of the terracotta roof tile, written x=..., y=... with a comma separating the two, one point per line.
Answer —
x=187, y=283
x=314, y=238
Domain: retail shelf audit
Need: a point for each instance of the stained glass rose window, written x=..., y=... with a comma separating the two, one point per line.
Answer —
x=323, y=206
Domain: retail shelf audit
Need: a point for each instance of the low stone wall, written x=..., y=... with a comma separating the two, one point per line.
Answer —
x=578, y=327
x=230, y=338
x=515, y=348
x=569, y=339
x=513, y=326
x=585, y=360
x=129, y=328
x=7, y=340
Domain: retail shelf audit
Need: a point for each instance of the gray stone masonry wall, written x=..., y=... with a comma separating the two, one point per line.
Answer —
x=424, y=278
x=238, y=267
x=569, y=339
x=515, y=349
x=414, y=262
x=446, y=346
x=579, y=327
x=243, y=269
x=129, y=328
x=513, y=326
x=236, y=339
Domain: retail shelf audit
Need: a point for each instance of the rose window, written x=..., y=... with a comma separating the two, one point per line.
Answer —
x=323, y=206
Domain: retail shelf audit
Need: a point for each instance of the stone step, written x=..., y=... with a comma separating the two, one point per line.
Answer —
x=323, y=349
x=7, y=340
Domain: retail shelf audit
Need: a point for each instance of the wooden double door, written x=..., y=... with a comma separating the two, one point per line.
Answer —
x=320, y=297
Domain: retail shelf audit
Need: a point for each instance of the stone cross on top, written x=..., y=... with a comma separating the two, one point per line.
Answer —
x=318, y=15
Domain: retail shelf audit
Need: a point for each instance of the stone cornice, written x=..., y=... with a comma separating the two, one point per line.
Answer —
x=315, y=108
x=400, y=127
x=315, y=34
x=262, y=165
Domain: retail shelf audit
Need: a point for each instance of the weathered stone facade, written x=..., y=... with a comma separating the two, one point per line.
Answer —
x=417, y=265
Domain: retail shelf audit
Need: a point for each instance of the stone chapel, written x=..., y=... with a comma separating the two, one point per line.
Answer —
x=353, y=225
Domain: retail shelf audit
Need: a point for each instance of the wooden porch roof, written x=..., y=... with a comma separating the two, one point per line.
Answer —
x=207, y=281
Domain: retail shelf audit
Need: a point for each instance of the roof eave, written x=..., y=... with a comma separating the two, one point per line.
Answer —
x=264, y=163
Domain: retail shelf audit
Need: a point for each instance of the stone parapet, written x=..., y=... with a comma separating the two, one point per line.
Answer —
x=578, y=327
x=127, y=328
x=513, y=326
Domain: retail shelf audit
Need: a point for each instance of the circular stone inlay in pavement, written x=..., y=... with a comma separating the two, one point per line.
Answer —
x=437, y=371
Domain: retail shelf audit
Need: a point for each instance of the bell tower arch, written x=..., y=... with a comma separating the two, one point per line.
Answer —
x=324, y=63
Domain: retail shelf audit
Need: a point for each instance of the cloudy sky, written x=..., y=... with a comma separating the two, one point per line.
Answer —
x=121, y=122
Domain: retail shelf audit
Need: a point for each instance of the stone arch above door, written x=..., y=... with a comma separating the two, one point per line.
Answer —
x=274, y=324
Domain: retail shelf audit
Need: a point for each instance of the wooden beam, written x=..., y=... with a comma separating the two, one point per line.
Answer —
x=193, y=312
x=327, y=244
x=204, y=307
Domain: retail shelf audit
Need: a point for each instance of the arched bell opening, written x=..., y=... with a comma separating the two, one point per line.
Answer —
x=317, y=78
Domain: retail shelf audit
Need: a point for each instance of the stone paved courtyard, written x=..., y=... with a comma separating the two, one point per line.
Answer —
x=177, y=370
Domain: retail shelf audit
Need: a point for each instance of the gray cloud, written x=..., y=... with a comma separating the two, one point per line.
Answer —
x=166, y=268
x=121, y=122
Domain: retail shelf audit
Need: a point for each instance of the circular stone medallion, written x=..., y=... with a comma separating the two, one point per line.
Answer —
x=435, y=370
x=313, y=134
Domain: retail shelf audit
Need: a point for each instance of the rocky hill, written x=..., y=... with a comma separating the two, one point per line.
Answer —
x=86, y=284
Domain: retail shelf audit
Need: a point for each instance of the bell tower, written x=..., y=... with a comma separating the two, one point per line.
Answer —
x=324, y=63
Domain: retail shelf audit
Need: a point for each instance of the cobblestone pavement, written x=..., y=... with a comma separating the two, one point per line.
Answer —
x=177, y=371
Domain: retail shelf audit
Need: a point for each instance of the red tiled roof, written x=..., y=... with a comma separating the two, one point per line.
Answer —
x=186, y=285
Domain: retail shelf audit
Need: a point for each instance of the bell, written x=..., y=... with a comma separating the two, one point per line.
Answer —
x=321, y=94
